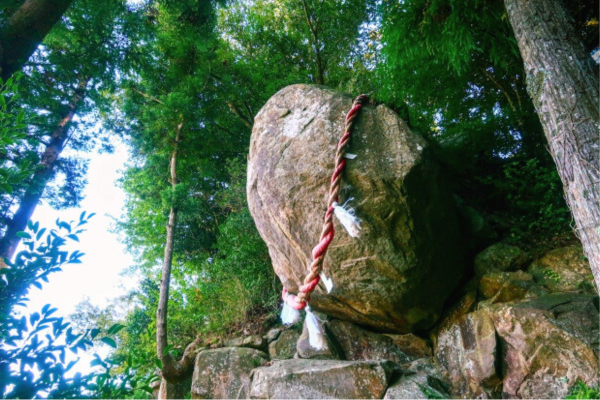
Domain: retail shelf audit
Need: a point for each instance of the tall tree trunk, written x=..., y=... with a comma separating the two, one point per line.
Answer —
x=25, y=30
x=10, y=240
x=563, y=83
x=171, y=370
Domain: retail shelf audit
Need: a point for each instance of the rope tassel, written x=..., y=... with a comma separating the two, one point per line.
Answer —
x=289, y=315
x=316, y=334
x=347, y=217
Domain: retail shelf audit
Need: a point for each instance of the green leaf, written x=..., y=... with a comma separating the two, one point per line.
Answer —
x=24, y=235
x=109, y=341
x=115, y=329
x=158, y=363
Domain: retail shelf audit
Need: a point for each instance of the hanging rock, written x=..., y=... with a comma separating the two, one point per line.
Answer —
x=408, y=258
x=321, y=379
x=225, y=373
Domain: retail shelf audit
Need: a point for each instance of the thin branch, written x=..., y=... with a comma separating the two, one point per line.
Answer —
x=147, y=96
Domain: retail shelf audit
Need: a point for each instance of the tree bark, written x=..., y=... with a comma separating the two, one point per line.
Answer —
x=25, y=30
x=563, y=83
x=10, y=240
x=171, y=370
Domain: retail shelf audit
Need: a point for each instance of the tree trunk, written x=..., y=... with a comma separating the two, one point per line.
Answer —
x=563, y=83
x=25, y=30
x=10, y=240
x=171, y=370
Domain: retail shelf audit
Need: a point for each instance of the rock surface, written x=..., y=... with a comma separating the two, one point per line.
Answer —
x=284, y=347
x=421, y=380
x=225, y=373
x=500, y=257
x=534, y=348
x=359, y=344
x=412, y=345
x=321, y=379
x=304, y=349
x=396, y=276
x=564, y=270
x=253, y=341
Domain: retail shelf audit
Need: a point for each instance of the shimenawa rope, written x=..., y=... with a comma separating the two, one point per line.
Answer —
x=294, y=303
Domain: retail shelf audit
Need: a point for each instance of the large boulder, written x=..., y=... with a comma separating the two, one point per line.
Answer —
x=534, y=348
x=396, y=276
x=321, y=379
x=225, y=373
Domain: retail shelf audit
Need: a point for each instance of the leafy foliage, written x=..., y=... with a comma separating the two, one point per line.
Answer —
x=39, y=351
x=582, y=391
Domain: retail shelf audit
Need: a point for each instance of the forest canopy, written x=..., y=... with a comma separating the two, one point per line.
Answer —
x=179, y=83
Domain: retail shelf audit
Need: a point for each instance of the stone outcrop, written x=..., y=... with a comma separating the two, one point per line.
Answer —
x=421, y=380
x=564, y=270
x=396, y=276
x=500, y=257
x=321, y=379
x=525, y=349
x=225, y=373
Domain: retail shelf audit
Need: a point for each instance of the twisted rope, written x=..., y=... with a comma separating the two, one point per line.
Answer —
x=299, y=301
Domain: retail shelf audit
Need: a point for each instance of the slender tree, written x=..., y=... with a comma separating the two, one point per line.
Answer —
x=563, y=83
x=69, y=77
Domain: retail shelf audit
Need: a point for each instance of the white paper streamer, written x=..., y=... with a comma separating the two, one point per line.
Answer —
x=328, y=282
x=347, y=217
x=289, y=315
x=316, y=335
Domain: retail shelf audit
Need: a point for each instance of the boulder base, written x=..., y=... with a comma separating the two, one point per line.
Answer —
x=396, y=276
x=225, y=373
x=321, y=379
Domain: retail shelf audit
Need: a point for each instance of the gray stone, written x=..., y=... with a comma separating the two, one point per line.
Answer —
x=422, y=379
x=500, y=257
x=284, y=348
x=273, y=334
x=321, y=379
x=409, y=257
x=253, y=341
x=359, y=344
x=225, y=373
x=417, y=386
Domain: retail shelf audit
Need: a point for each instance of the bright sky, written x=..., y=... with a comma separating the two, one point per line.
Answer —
x=98, y=277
